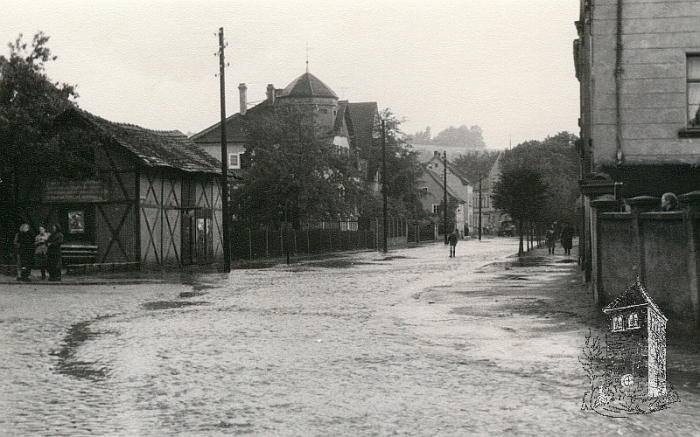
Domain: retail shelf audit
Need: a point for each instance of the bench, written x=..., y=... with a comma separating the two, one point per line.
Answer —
x=78, y=253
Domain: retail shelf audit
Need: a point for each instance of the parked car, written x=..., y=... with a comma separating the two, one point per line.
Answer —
x=506, y=228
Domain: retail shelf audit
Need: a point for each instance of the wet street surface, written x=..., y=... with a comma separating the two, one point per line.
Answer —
x=366, y=344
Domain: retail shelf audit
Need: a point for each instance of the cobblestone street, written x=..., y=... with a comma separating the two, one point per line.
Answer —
x=408, y=343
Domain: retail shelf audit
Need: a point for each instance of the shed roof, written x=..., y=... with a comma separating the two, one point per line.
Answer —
x=153, y=148
x=634, y=296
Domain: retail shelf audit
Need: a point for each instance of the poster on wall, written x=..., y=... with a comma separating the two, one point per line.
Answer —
x=76, y=222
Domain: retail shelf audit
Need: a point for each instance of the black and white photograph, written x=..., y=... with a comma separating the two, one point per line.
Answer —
x=368, y=218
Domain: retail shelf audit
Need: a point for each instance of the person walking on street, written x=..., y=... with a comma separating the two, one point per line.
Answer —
x=452, y=239
x=551, y=240
x=40, y=251
x=53, y=253
x=567, y=235
x=24, y=242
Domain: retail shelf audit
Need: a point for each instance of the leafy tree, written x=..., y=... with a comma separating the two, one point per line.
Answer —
x=470, y=138
x=555, y=158
x=520, y=192
x=424, y=137
x=402, y=168
x=476, y=164
x=29, y=150
x=295, y=171
x=29, y=101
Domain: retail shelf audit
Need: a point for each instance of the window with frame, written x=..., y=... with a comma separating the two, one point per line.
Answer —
x=633, y=321
x=617, y=323
x=424, y=191
x=436, y=209
x=234, y=160
x=693, y=90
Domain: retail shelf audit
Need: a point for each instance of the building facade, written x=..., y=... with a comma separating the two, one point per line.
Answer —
x=638, y=63
x=459, y=191
x=153, y=203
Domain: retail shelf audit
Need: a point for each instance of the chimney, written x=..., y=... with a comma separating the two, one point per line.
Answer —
x=242, y=89
x=271, y=93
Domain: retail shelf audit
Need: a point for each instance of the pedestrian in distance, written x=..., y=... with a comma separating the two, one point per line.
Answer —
x=53, y=253
x=40, y=251
x=551, y=239
x=567, y=236
x=452, y=239
x=24, y=242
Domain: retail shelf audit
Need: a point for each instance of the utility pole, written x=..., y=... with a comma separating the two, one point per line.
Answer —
x=224, y=159
x=385, y=223
x=444, y=189
x=480, y=179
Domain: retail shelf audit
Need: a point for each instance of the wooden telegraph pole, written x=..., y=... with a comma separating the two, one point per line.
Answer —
x=224, y=160
x=444, y=187
x=480, y=179
x=385, y=247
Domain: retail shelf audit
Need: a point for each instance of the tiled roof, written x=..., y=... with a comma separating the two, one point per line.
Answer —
x=363, y=116
x=634, y=295
x=459, y=193
x=342, y=108
x=153, y=148
x=307, y=85
x=235, y=132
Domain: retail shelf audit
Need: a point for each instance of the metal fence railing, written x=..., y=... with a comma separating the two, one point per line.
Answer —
x=318, y=237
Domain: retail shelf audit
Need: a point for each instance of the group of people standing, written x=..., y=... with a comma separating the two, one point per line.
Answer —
x=41, y=251
x=566, y=237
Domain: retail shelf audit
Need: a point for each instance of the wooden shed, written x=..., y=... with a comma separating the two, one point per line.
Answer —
x=154, y=202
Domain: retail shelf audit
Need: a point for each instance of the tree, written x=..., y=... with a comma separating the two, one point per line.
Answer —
x=424, y=137
x=475, y=165
x=470, y=138
x=556, y=159
x=29, y=102
x=295, y=173
x=29, y=151
x=402, y=168
x=520, y=192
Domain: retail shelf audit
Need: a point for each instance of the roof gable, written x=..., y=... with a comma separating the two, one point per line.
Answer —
x=634, y=296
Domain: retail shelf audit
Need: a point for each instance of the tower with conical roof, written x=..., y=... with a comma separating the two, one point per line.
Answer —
x=308, y=91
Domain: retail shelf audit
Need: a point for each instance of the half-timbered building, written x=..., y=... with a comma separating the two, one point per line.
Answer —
x=153, y=202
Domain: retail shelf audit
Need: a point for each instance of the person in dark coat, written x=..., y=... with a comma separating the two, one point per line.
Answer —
x=452, y=239
x=24, y=242
x=550, y=239
x=53, y=253
x=567, y=235
x=40, y=251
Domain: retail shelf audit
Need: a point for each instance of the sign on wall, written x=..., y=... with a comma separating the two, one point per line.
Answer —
x=76, y=222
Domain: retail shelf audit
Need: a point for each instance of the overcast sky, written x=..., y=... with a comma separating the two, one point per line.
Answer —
x=504, y=65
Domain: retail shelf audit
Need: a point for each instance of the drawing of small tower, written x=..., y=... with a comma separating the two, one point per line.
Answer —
x=636, y=343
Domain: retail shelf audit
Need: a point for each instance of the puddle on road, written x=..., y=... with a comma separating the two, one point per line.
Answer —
x=339, y=264
x=169, y=304
x=68, y=365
